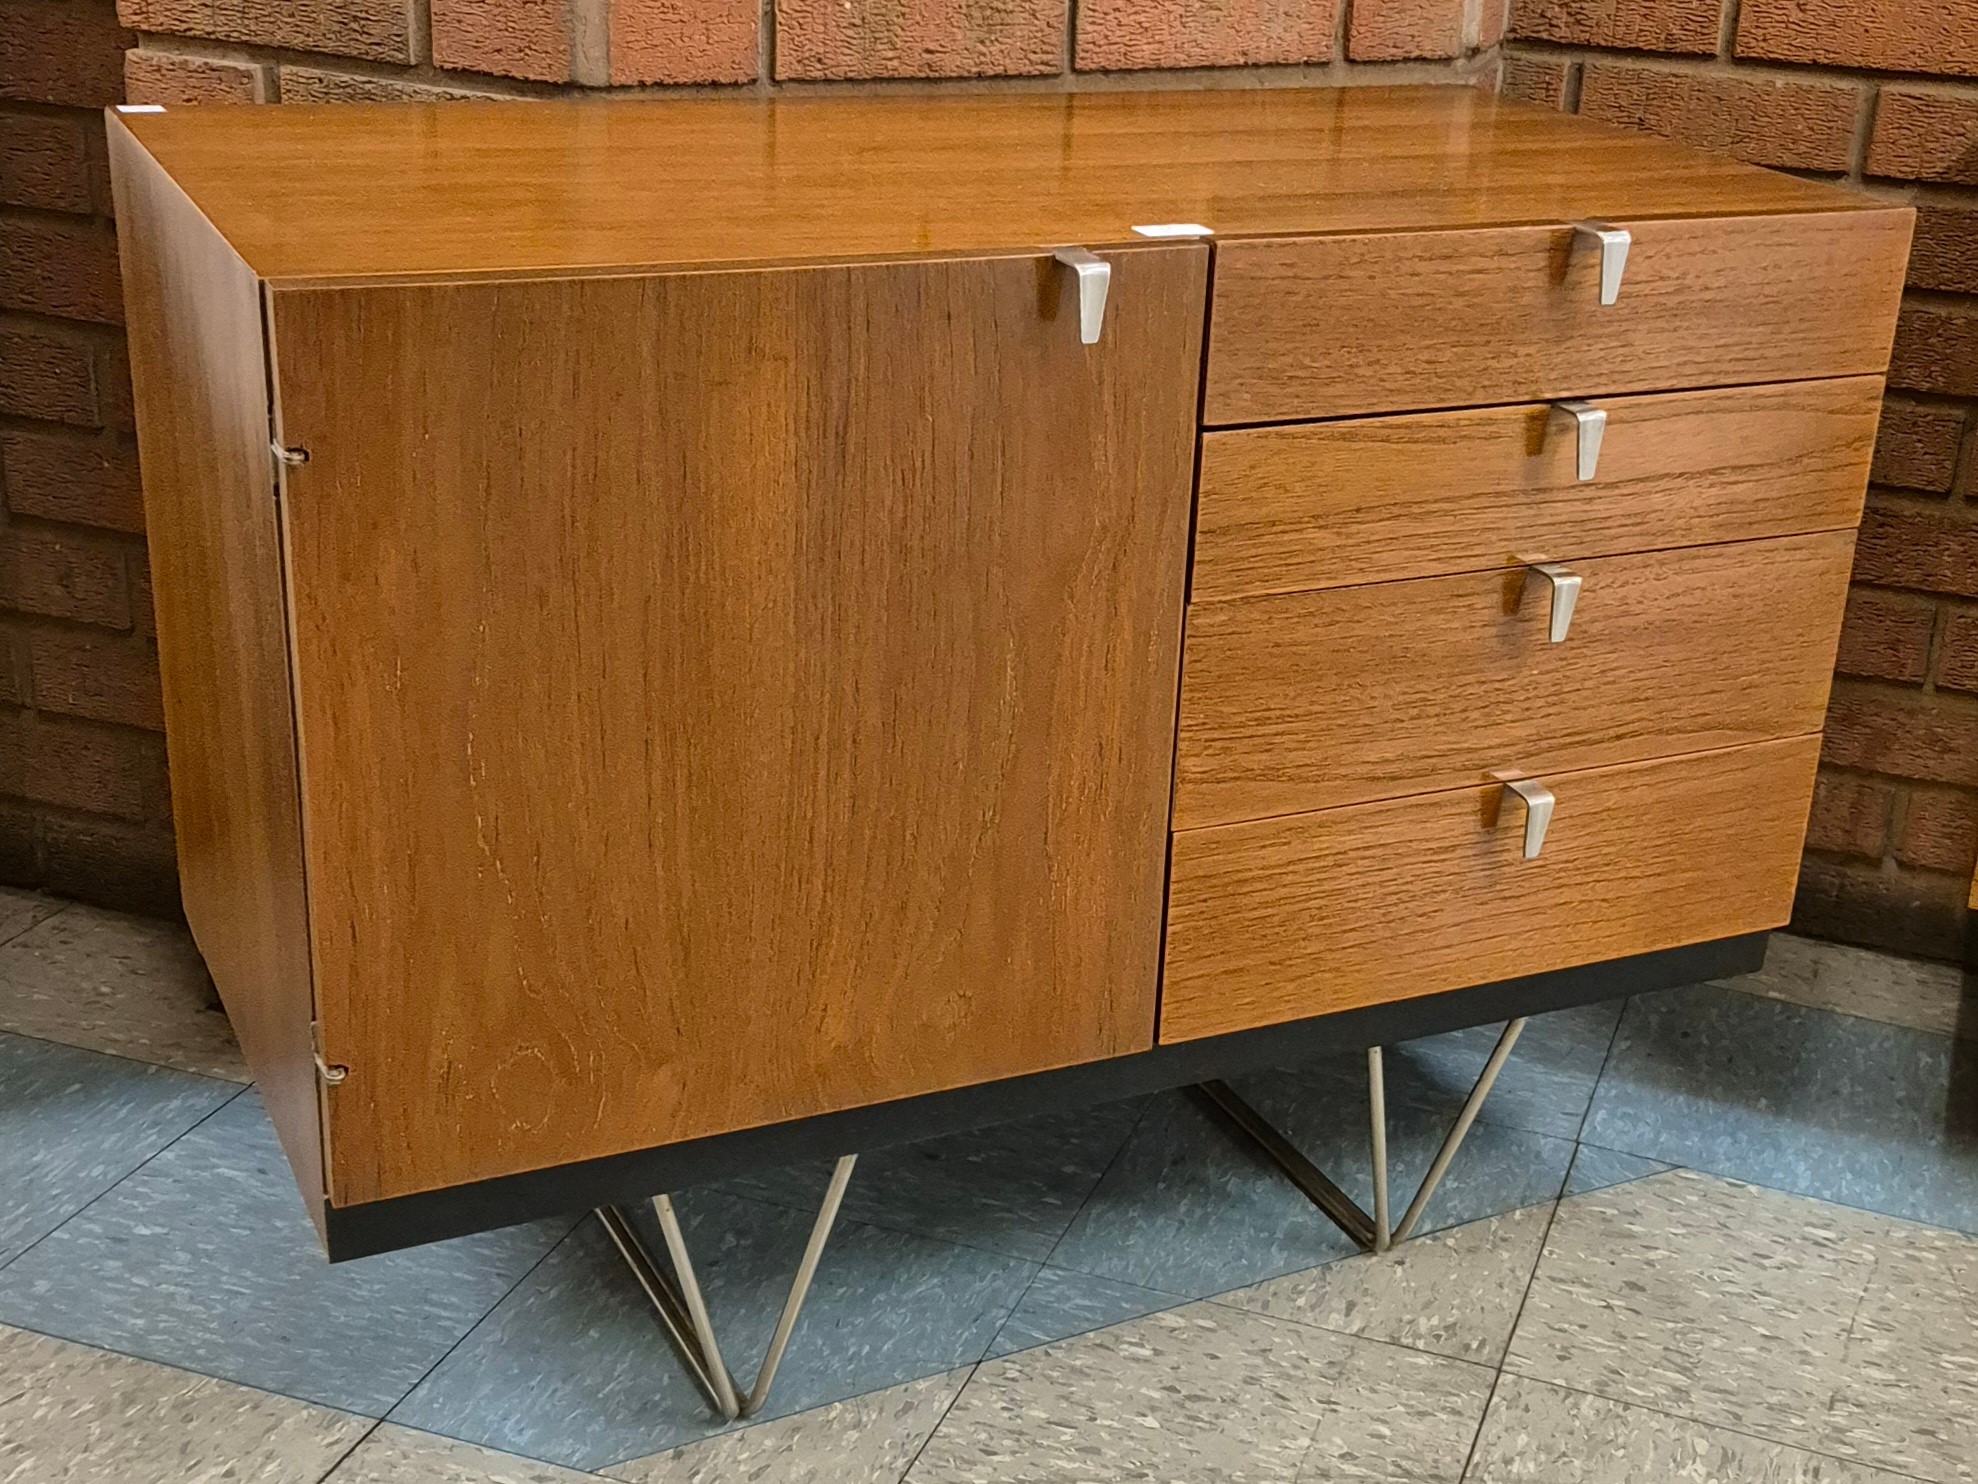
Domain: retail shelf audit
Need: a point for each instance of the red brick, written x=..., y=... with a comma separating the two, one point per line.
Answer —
x=45, y=162
x=1939, y=830
x=101, y=677
x=1850, y=815
x=349, y=28
x=1936, y=348
x=1635, y=25
x=684, y=40
x=144, y=619
x=1919, y=912
x=62, y=51
x=62, y=268
x=1394, y=30
x=95, y=768
x=93, y=859
x=1886, y=35
x=1768, y=121
x=1916, y=446
x=932, y=38
x=46, y=374
x=1490, y=19
x=1944, y=253
x=64, y=575
x=1910, y=544
x=514, y=38
x=115, y=407
x=1886, y=636
x=1124, y=35
x=1535, y=79
x=1925, y=136
x=16, y=670
x=320, y=85
x=1957, y=657
x=161, y=77
x=1911, y=734
x=85, y=479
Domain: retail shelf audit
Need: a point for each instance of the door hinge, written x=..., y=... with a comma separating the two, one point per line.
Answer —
x=292, y=458
x=332, y=1073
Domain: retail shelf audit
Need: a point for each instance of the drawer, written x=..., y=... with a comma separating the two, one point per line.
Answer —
x=1370, y=499
x=1405, y=321
x=1312, y=700
x=1285, y=918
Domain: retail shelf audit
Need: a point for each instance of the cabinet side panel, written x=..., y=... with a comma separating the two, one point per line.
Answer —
x=729, y=697
x=199, y=372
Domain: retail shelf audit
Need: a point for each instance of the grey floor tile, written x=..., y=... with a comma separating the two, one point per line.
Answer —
x=1189, y=1209
x=1825, y=1105
x=21, y=910
x=1693, y=1295
x=399, y=1455
x=1455, y=1292
x=1061, y=1303
x=205, y=1259
x=867, y=1440
x=1548, y=1435
x=1914, y=992
x=1010, y=1188
x=73, y=1123
x=132, y=986
x=1595, y=1168
x=70, y=1414
x=574, y=1368
x=1545, y=1086
x=1209, y=1393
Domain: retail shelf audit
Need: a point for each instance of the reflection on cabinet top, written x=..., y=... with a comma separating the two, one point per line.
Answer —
x=314, y=193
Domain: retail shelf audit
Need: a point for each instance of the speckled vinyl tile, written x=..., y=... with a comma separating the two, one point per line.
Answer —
x=1825, y=1105
x=1010, y=1188
x=1061, y=1303
x=867, y=1440
x=1595, y=1168
x=1914, y=992
x=73, y=1123
x=1546, y=1085
x=1541, y=1434
x=1455, y=1292
x=399, y=1455
x=1209, y=1393
x=21, y=910
x=1719, y=1302
x=573, y=1367
x=204, y=1258
x=127, y=985
x=71, y=1414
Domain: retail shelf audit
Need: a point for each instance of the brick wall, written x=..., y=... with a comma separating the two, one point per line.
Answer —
x=1884, y=94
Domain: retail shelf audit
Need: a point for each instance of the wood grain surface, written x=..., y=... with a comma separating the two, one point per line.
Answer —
x=1300, y=506
x=730, y=697
x=1311, y=700
x=1388, y=322
x=1321, y=912
x=199, y=372
x=307, y=192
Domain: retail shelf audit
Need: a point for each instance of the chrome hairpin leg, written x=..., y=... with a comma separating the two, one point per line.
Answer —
x=683, y=1309
x=1370, y=1232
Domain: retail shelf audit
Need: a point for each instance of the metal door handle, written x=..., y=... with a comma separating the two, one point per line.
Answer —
x=1538, y=802
x=1564, y=585
x=1590, y=427
x=1614, y=244
x=1095, y=276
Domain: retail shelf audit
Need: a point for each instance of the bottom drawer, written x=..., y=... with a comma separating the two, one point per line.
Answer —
x=1310, y=913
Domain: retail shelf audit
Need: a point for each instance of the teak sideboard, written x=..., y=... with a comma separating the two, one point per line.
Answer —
x=710, y=629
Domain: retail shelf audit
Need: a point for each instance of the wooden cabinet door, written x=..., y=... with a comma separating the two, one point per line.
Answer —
x=728, y=697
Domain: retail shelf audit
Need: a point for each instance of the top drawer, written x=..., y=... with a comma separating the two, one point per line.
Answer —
x=1380, y=322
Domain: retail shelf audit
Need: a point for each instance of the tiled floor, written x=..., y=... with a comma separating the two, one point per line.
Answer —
x=1723, y=1233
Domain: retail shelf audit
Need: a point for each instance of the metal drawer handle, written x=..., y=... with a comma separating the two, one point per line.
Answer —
x=1564, y=584
x=1590, y=427
x=1095, y=276
x=1614, y=244
x=1538, y=802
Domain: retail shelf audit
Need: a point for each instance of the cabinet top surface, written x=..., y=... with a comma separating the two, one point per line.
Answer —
x=333, y=192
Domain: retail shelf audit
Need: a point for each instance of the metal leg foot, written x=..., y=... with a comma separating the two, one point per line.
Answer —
x=1370, y=1231
x=683, y=1309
